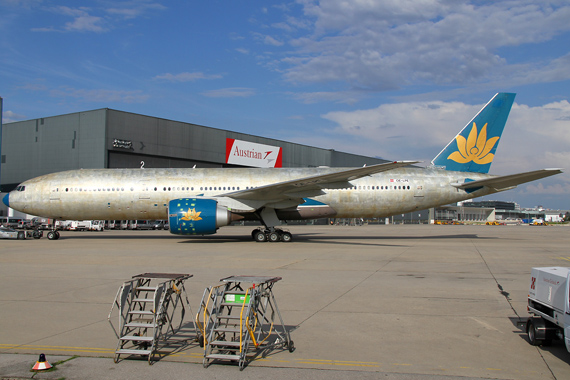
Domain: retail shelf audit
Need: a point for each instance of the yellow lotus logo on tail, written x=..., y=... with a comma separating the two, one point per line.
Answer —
x=192, y=215
x=476, y=148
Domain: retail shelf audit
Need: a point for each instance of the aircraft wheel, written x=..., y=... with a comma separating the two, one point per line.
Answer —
x=37, y=234
x=259, y=236
x=531, y=332
x=291, y=346
x=274, y=237
x=51, y=235
x=286, y=237
x=57, y=235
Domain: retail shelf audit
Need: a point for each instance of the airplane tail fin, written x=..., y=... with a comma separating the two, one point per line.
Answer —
x=473, y=149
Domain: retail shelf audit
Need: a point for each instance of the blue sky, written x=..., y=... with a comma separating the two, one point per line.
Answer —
x=395, y=79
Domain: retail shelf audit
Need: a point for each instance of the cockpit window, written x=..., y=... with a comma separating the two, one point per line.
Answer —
x=21, y=188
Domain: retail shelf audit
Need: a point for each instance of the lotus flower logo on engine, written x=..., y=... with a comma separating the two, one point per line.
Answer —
x=191, y=215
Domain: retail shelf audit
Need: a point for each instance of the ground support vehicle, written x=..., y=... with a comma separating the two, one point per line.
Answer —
x=140, y=225
x=85, y=225
x=9, y=233
x=549, y=304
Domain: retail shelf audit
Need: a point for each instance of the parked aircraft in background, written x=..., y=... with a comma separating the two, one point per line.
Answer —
x=199, y=201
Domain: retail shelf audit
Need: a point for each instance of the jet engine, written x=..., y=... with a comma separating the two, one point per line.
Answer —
x=194, y=216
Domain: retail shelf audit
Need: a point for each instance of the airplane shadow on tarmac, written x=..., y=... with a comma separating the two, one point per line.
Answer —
x=332, y=239
x=314, y=238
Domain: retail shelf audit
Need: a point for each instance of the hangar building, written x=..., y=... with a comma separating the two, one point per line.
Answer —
x=107, y=138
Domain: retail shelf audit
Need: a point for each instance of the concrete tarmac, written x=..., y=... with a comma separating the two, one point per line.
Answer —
x=398, y=301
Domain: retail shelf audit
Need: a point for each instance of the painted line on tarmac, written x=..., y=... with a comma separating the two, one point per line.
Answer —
x=55, y=348
x=338, y=362
x=325, y=362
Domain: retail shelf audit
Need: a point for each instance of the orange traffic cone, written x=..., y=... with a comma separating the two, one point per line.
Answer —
x=41, y=364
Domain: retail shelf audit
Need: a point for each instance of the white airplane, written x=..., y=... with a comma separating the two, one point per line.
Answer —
x=199, y=201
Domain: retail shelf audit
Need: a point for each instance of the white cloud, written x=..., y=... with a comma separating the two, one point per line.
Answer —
x=541, y=189
x=86, y=24
x=102, y=95
x=268, y=40
x=136, y=9
x=315, y=97
x=386, y=44
x=86, y=20
x=9, y=117
x=187, y=77
x=234, y=92
x=534, y=137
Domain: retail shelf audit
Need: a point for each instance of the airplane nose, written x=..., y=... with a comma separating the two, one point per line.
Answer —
x=6, y=199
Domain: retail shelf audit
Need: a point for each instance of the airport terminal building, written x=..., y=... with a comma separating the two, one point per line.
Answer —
x=107, y=138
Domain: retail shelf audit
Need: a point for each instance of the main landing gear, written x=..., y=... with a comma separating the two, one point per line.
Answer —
x=273, y=235
x=53, y=235
x=268, y=232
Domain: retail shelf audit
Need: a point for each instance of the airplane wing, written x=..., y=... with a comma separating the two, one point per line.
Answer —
x=506, y=182
x=313, y=185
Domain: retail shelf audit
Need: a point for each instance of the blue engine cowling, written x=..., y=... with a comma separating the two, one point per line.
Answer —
x=195, y=216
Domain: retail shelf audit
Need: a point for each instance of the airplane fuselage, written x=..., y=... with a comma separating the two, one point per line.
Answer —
x=145, y=193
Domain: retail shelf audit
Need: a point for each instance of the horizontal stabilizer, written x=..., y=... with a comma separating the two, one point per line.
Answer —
x=506, y=182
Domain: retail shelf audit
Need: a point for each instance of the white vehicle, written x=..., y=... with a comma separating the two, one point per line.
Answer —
x=113, y=224
x=549, y=304
x=140, y=225
x=86, y=225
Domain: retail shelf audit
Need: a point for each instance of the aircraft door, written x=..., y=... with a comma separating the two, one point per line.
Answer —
x=418, y=190
x=54, y=191
x=145, y=190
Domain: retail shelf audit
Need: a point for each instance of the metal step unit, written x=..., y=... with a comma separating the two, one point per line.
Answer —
x=151, y=309
x=237, y=320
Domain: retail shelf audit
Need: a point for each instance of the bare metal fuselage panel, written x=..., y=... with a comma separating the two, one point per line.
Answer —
x=145, y=193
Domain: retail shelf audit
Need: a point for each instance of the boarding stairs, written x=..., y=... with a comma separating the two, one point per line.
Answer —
x=237, y=320
x=151, y=309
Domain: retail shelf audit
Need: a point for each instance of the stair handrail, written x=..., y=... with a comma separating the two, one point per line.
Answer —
x=241, y=317
x=209, y=315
